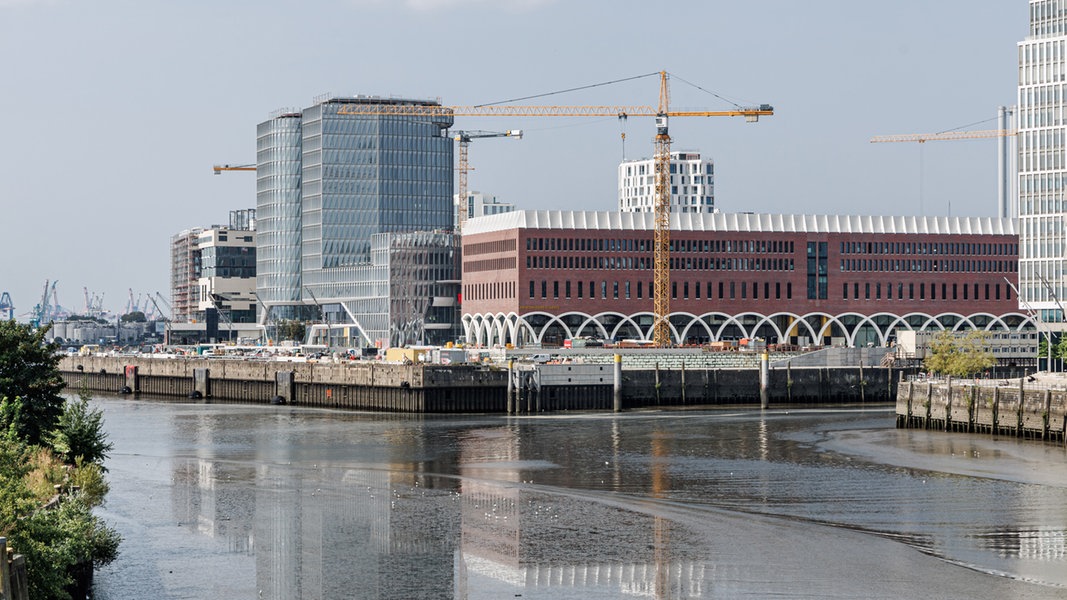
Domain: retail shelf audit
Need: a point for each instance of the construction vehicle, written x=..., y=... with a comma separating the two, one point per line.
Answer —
x=464, y=138
x=661, y=113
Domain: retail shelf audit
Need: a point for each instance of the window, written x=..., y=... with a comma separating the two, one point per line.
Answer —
x=532, y=289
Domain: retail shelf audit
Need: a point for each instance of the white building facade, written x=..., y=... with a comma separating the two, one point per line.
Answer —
x=1042, y=188
x=480, y=204
x=692, y=184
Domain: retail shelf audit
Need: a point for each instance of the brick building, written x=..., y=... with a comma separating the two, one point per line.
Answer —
x=541, y=277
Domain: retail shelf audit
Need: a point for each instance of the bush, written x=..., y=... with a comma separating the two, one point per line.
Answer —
x=79, y=433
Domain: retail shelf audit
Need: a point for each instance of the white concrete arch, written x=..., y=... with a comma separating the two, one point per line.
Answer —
x=760, y=319
x=713, y=334
x=701, y=322
x=799, y=321
x=730, y=319
x=627, y=319
x=539, y=338
x=769, y=320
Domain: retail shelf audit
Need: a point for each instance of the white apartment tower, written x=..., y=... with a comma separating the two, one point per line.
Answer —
x=692, y=184
x=1042, y=126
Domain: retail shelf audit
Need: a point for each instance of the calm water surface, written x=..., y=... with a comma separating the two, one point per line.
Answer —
x=229, y=501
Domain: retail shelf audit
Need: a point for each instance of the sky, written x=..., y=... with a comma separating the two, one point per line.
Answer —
x=117, y=109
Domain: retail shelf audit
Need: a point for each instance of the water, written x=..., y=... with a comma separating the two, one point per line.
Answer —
x=229, y=501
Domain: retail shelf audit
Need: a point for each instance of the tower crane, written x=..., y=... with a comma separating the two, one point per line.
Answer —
x=662, y=112
x=220, y=168
x=43, y=310
x=7, y=307
x=1004, y=189
x=922, y=138
x=464, y=138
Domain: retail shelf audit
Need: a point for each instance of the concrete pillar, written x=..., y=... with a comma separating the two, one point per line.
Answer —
x=618, y=383
x=132, y=380
x=764, y=380
x=202, y=382
x=284, y=387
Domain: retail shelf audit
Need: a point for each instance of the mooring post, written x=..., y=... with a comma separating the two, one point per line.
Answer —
x=657, y=383
x=948, y=404
x=1019, y=408
x=764, y=380
x=511, y=386
x=5, y=572
x=862, y=383
x=618, y=383
x=683, y=382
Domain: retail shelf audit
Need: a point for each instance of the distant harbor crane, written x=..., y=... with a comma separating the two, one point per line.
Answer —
x=7, y=307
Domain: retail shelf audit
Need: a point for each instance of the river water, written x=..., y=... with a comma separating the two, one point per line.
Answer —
x=262, y=502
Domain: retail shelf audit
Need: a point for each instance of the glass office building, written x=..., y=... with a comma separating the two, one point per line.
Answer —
x=278, y=215
x=332, y=180
x=1042, y=133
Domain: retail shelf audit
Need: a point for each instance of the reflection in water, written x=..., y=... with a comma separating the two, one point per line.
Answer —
x=311, y=504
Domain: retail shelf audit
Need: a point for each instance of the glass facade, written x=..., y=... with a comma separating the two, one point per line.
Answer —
x=1042, y=106
x=328, y=183
x=407, y=294
x=278, y=214
x=367, y=174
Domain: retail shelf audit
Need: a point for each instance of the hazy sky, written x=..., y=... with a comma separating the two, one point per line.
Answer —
x=117, y=109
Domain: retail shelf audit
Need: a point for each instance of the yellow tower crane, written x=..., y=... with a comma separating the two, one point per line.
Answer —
x=464, y=138
x=661, y=265
x=220, y=168
x=922, y=138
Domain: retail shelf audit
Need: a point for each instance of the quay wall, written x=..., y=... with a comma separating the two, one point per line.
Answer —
x=1010, y=409
x=425, y=388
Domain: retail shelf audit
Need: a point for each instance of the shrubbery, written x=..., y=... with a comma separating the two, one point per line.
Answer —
x=46, y=442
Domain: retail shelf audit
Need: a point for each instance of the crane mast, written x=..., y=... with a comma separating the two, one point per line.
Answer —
x=464, y=138
x=661, y=302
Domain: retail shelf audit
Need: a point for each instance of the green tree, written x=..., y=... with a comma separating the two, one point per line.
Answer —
x=960, y=355
x=290, y=329
x=134, y=317
x=30, y=384
x=80, y=434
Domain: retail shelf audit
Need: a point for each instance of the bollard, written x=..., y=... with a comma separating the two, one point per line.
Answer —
x=764, y=380
x=618, y=383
